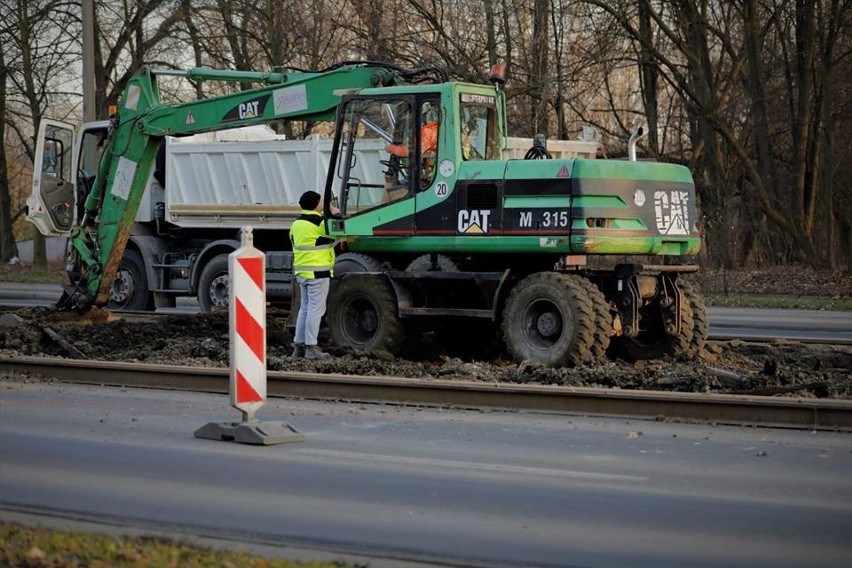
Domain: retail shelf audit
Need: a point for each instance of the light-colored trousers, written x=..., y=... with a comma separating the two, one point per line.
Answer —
x=313, y=293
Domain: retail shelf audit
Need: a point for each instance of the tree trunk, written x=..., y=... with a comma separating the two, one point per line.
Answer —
x=649, y=77
x=195, y=41
x=8, y=248
x=32, y=96
x=802, y=120
x=539, y=72
x=491, y=33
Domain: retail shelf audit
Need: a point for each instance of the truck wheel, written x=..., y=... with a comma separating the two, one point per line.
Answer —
x=362, y=315
x=130, y=288
x=700, y=320
x=549, y=320
x=214, y=285
x=423, y=263
x=652, y=341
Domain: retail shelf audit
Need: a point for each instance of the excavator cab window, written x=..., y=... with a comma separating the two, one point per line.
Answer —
x=430, y=120
x=479, y=128
x=373, y=158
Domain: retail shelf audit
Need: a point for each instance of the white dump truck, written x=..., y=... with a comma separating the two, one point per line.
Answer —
x=204, y=189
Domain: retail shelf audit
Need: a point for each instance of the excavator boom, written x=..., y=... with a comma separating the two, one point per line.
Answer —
x=98, y=242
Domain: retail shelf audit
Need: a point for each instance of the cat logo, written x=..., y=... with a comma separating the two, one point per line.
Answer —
x=247, y=110
x=474, y=222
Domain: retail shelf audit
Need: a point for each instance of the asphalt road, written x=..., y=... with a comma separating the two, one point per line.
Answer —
x=415, y=487
x=725, y=323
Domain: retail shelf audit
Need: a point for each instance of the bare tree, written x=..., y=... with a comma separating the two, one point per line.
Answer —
x=39, y=44
x=129, y=35
x=714, y=57
x=8, y=248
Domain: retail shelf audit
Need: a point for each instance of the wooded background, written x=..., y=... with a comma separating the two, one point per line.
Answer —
x=754, y=96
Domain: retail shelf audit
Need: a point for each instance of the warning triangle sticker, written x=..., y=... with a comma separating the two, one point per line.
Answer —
x=563, y=172
x=189, y=118
x=245, y=391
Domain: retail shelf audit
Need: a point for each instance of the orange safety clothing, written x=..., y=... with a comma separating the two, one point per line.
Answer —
x=428, y=141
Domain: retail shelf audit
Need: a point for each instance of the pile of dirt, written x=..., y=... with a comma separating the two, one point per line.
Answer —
x=779, y=368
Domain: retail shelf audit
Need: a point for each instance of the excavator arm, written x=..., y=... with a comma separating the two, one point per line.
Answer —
x=99, y=240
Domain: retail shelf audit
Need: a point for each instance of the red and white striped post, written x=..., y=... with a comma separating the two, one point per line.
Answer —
x=247, y=314
x=247, y=330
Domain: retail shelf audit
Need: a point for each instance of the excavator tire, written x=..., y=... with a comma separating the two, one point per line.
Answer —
x=700, y=319
x=423, y=263
x=603, y=321
x=362, y=315
x=356, y=262
x=549, y=320
x=130, y=288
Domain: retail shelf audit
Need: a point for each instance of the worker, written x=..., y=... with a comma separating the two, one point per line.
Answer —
x=428, y=147
x=428, y=141
x=469, y=151
x=313, y=265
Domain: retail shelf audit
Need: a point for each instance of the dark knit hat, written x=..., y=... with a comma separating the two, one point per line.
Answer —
x=309, y=200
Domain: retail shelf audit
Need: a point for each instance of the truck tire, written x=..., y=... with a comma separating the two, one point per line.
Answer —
x=214, y=285
x=652, y=341
x=362, y=315
x=129, y=290
x=549, y=320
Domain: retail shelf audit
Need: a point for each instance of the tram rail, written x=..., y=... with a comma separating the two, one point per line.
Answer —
x=788, y=412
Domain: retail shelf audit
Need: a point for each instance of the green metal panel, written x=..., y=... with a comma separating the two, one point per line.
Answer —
x=631, y=170
x=479, y=244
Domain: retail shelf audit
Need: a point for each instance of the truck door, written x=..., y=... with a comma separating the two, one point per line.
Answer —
x=50, y=206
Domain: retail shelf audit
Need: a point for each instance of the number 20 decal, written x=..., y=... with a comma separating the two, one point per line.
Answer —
x=441, y=189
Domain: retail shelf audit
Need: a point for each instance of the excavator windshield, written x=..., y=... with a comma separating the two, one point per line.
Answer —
x=479, y=128
x=372, y=167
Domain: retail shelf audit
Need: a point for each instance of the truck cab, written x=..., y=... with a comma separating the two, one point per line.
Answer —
x=67, y=162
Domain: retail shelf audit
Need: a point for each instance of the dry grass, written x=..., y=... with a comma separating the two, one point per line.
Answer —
x=27, y=547
x=28, y=273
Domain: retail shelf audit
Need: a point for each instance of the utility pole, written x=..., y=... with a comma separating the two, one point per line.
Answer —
x=89, y=102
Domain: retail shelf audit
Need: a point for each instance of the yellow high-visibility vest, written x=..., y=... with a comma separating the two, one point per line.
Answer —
x=313, y=249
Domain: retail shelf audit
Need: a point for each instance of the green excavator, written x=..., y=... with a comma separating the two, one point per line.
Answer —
x=442, y=228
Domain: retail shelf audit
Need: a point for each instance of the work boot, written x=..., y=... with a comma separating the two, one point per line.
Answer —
x=298, y=351
x=314, y=352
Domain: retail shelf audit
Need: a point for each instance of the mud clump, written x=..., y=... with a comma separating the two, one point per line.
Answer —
x=781, y=368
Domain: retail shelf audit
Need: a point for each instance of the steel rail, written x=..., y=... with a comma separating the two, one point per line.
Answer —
x=717, y=408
